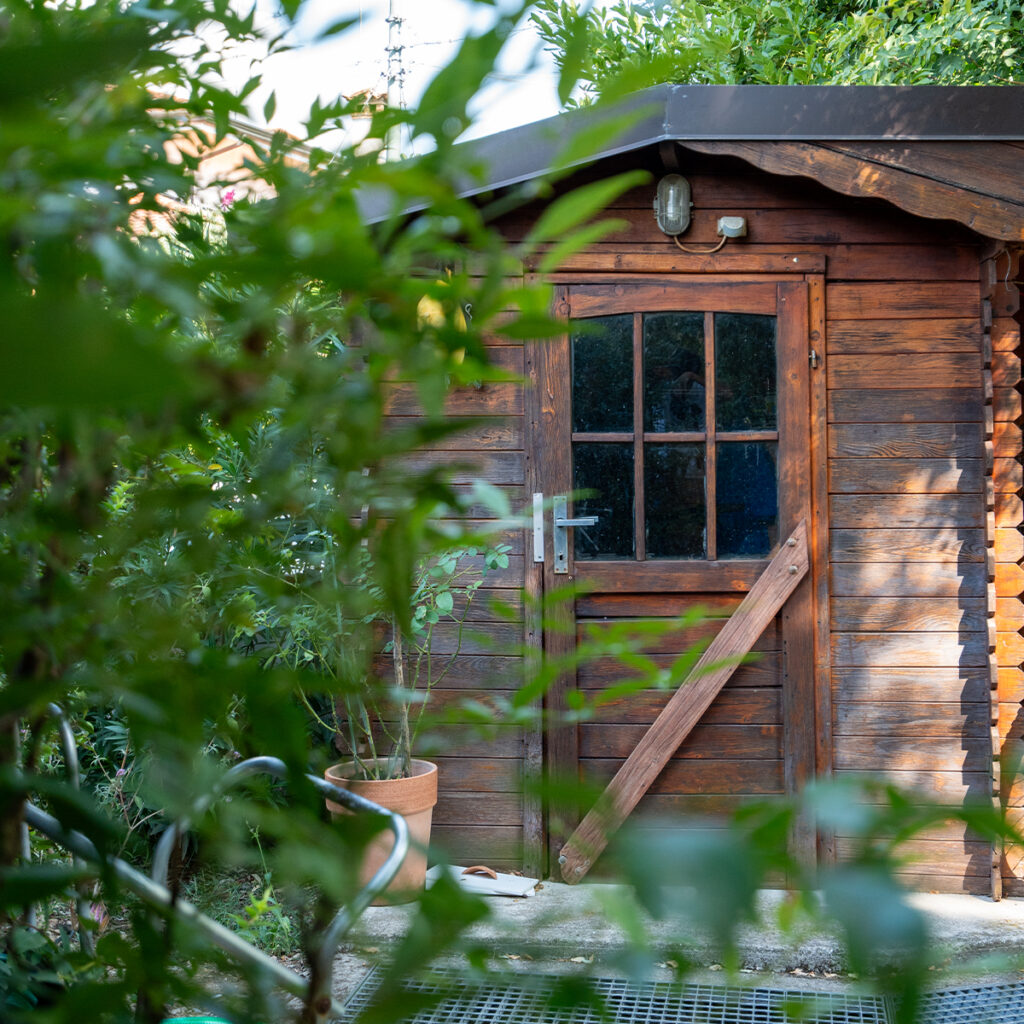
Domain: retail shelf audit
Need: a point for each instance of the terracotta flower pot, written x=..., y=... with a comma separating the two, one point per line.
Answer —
x=414, y=799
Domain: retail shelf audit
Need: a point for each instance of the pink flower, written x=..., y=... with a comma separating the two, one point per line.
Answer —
x=227, y=198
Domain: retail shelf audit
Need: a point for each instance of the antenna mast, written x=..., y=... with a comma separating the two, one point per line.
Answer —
x=395, y=78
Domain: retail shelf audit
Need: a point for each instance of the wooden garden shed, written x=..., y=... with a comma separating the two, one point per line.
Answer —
x=850, y=363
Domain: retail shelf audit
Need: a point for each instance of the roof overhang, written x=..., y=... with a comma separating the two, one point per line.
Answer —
x=767, y=118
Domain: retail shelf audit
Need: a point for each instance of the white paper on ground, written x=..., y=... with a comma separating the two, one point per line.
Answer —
x=484, y=885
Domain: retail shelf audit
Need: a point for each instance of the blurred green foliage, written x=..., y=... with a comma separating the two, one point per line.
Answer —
x=193, y=415
x=195, y=451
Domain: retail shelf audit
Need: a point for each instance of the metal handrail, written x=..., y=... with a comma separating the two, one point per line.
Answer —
x=347, y=915
x=315, y=991
x=72, y=766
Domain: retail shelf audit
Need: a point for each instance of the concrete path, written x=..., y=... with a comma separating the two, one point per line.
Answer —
x=565, y=927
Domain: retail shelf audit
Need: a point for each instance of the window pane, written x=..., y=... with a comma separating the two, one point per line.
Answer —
x=748, y=501
x=674, y=486
x=606, y=469
x=744, y=372
x=673, y=372
x=602, y=373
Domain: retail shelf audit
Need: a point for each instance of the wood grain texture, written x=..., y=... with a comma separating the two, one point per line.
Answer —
x=1006, y=437
x=922, y=370
x=671, y=576
x=926, y=300
x=920, y=614
x=1010, y=648
x=687, y=706
x=888, y=262
x=942, y=544
x=494, y=845
x=496, y=433
x=629, y=294
x=909, y=686
x=1009, y=614
x=1009, y=545
x=943, y=787
x=798, y=615
x=905, y=440
x=1009, y=579
x=924, y=336
x=479, y=774
x=843, y=167
x=466, y=466
x=986, y=169
x=796, y=228
x=490, y=399
x=762, y=670
x=705, y=742
x=655, y=605
x=667, y=639
x=911, y=579
x=553, y=475
x=956, y=720
x=465, y=741
x=1005, y=334
x=902, y=405
x=1007, y=475
x=1011, y=683
x=910, y=650
x=912, y=753
x=913, y=511
x=613, y=260
x=820, y=526
x=1006, y=404
x=751, y=778
x=905, y=476
x=1005, y=369
x=473, y=808
x=483, y=673
x=749, y=706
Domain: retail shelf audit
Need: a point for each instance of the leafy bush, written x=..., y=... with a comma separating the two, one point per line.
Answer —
x=171, y=380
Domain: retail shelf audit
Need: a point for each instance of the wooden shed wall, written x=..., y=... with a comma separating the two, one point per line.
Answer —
x=905, y=442
x=480, y=813
x=908, y=401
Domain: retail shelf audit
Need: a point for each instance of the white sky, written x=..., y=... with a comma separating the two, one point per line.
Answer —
x=522, y=90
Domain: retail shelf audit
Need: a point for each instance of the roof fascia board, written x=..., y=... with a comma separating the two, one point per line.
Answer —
x=822, y=113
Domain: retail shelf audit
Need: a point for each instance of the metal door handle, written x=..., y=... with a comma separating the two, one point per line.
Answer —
x=582, y=521
x=560, y=535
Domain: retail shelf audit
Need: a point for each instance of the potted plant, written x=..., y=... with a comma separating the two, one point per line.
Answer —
x=377, y=725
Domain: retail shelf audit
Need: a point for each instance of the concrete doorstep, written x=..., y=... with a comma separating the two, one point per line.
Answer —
x=568, y=928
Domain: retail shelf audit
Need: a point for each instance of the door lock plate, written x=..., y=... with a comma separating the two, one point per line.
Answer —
x=560, y=532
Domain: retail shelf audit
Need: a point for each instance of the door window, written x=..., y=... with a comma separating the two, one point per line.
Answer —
x=675, y=435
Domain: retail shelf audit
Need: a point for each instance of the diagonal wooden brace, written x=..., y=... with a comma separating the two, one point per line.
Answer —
x=687, y=705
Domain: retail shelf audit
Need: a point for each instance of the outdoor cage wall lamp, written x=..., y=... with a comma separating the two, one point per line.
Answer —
x=672, y=204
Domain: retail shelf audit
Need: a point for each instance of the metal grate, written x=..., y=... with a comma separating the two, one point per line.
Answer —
x=538, y=1000
x=987, y=1004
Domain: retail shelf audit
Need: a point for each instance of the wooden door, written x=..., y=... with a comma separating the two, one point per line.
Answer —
x=677, y=410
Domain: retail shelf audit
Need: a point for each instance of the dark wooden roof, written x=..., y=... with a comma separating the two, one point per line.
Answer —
x=980, y=184
x=935, y=151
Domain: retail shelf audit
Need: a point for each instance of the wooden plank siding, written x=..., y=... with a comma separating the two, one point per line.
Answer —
x=916, y=434
x=908, y=552
x=741, y=731
x=1000, y=280
x=480, y=814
